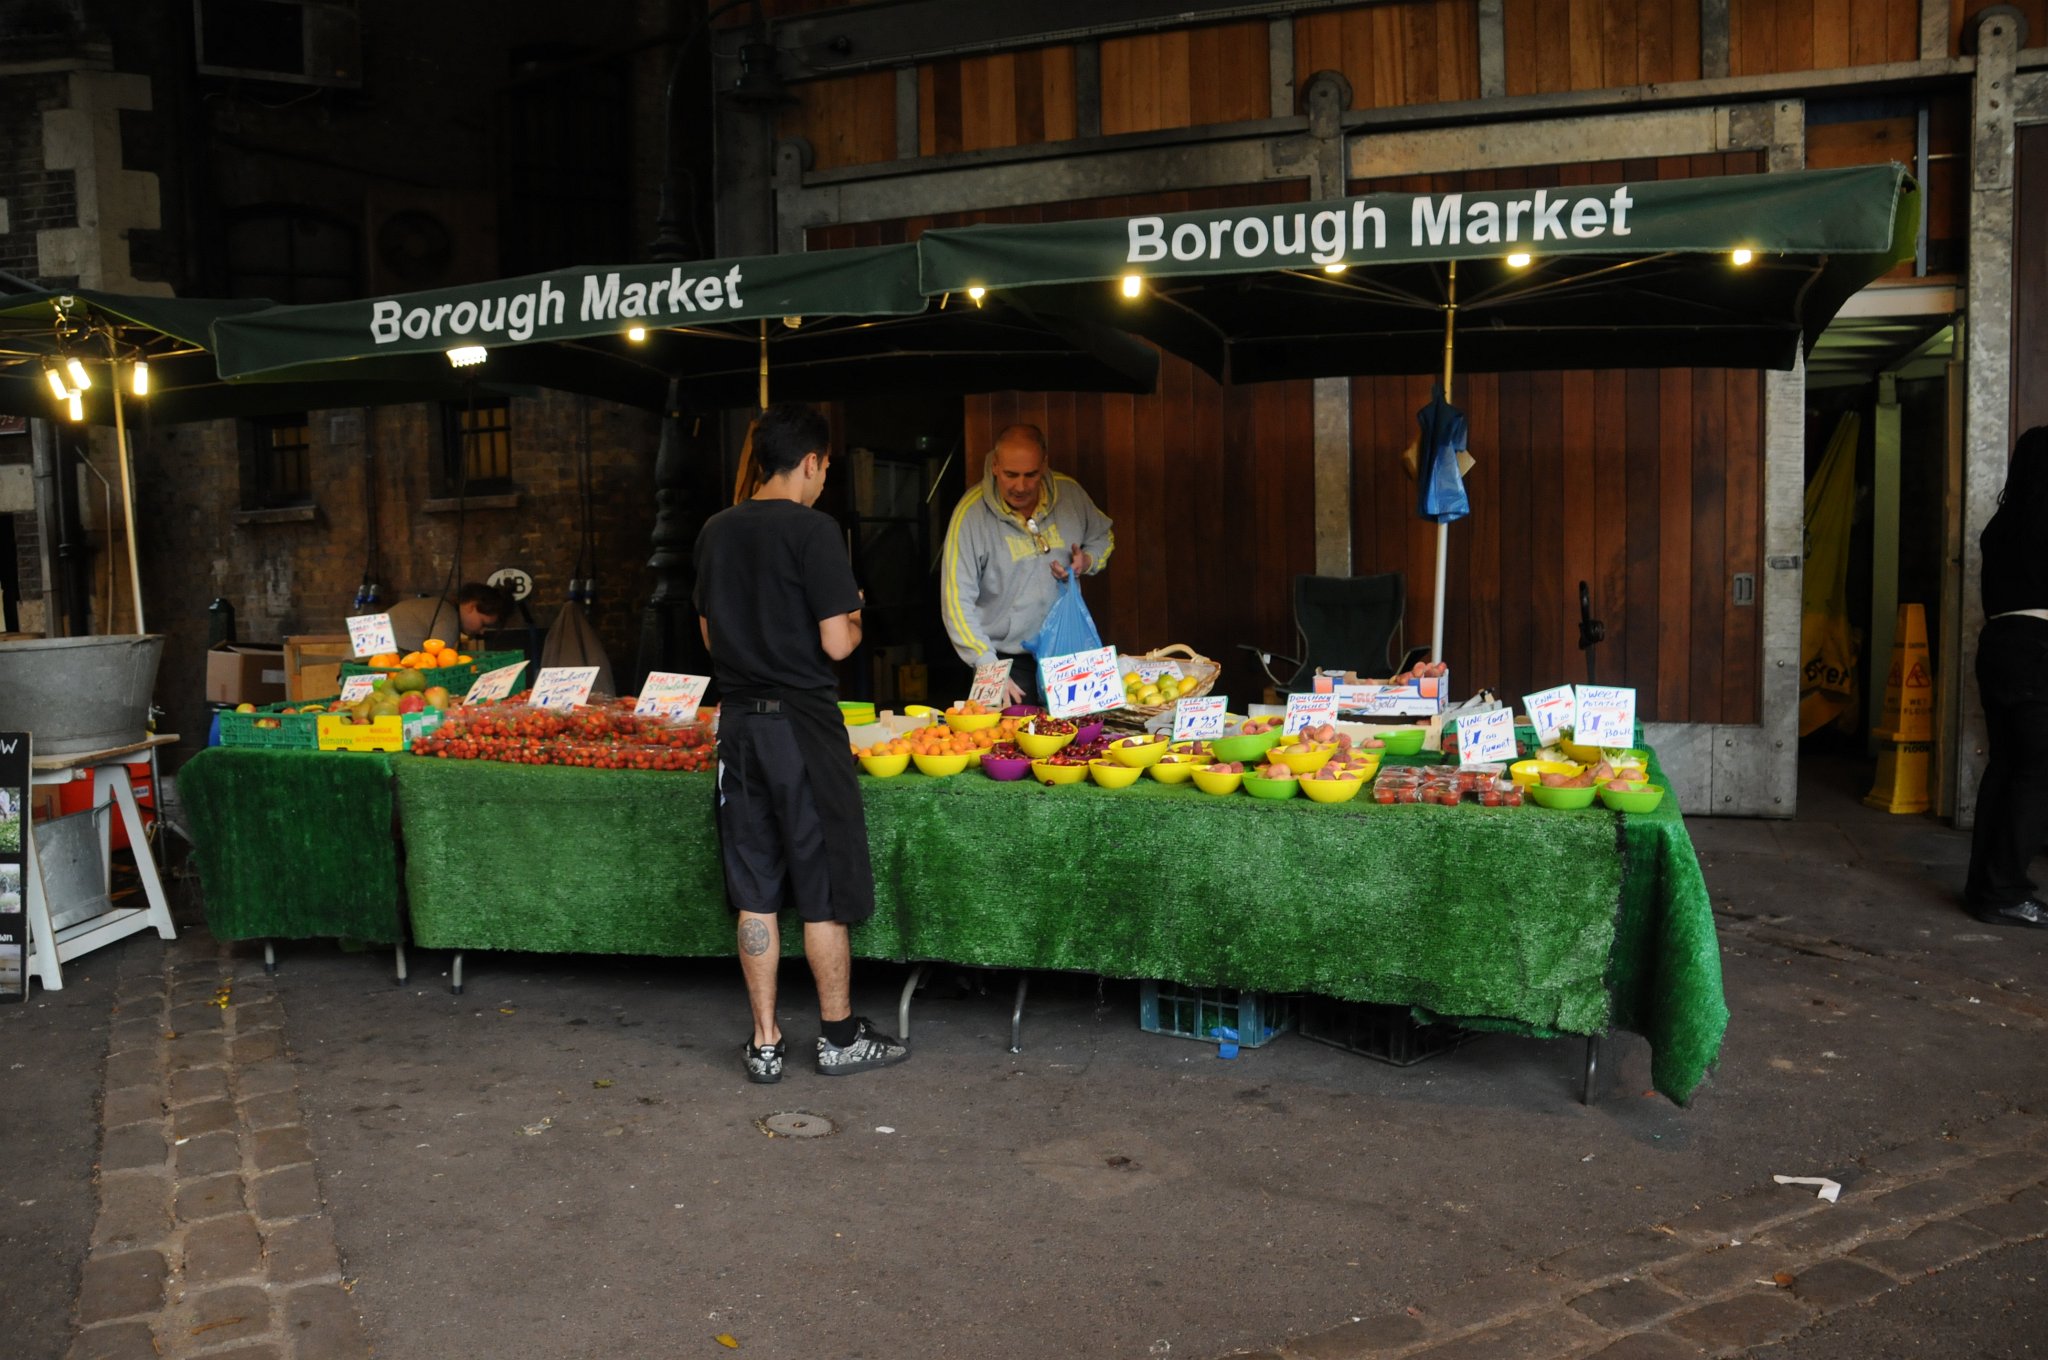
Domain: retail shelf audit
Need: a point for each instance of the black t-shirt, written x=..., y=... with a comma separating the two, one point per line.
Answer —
x=768, y=572
x=2015, y=564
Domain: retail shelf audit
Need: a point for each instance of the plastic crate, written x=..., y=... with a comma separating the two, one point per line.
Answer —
x=1192, y=1012
x=293, y=732
x=455, y=679
x=337, y=733
x=1384, y=1033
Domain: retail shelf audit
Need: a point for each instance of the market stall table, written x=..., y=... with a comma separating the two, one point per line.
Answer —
x=1523, y=918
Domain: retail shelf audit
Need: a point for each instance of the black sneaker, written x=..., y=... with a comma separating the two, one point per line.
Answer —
x=2027, y=913
x=764, y=1064
x=870, y=1048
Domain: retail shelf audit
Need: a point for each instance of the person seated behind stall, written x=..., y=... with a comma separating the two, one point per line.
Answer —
x=475, y=609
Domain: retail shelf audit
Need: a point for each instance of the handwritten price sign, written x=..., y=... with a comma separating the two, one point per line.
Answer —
x=1607, y=716
x=670, y=695
x=563, y=686
x=494, y=685
x=991, y=682
x=1486, y=738
x=370, y=634
x=1550, y=710
x=1199, y=719
x=356, y=686
x=1083, y=683
x=1309, y=710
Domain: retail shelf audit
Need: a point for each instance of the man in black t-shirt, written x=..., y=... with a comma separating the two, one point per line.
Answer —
x=778, y=605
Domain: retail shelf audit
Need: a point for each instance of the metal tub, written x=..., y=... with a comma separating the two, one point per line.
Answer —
x=79, y=694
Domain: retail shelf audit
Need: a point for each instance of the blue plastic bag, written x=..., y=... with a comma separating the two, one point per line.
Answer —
x=1068, y=626
x=1441, y=493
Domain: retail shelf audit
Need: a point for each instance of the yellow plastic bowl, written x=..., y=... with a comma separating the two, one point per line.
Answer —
x=1208, y=781
x=918, y=710
x=885, y=767
x=972, y=722
x=1040, y=745
x=1058, y=774
x=1365, y=771
x=1531, y=772
x=1333, y=790
x=1585, y=755
x=1111, y=774
x=1303, y=762
x=1178, y=772
x=940, y=766
x=1138, y=755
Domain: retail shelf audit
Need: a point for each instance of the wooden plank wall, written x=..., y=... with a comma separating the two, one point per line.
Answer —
x=1817, y=35
x=1963, y=13
x=1558, y=45
x=1394, y=55
x=1185, y=78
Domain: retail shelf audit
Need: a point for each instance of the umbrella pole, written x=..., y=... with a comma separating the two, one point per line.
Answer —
x=764, y=365
x=127, y=496
x=1443, y=530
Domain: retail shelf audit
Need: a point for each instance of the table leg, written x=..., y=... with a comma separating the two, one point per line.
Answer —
x=1592, y=1068
x=41, y=939
x=399, y=949
x=270, y=958
x=455, y=975
x=1017, y=1014
x=903, y=1003
x=114, y=779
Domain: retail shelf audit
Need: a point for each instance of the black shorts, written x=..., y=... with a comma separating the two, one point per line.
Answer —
x=770, y=839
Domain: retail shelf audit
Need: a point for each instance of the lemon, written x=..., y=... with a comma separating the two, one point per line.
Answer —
x=1150, y=695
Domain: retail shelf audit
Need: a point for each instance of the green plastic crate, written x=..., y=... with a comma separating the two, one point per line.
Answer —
x=294, y=731
x=1193, y=1012
x=455, y=679
x=1384, y=1033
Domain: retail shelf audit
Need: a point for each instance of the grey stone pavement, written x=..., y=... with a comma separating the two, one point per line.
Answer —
x=564, y=1162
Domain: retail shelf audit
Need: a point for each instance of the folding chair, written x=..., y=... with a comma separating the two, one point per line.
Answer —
x=1342, y=623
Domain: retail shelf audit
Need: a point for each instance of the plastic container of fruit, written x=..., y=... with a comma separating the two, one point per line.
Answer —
x=1332, y=790
x=1173, y=771
x=1005, y=768
x=1218, y=782
x=1260, y=787
x=1022, y=711
x=1232, y=750
x=1562, y=800
x=972, y=722
x=918, y=710
x=940, y=766
x=1304, y=762
x=1087, y=731
x=885, y=767
x=1111, y=774
x=1040, y=745
x=1138, y=752
x=1199, y=749
x=1527, y=772
x=1046, y=773
x=1641, y=798
x=1401, y=741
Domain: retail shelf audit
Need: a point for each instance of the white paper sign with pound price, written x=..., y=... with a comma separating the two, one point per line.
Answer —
x=494, y=685
x=991, y=681
x=356, y=686
x=1486, y=738
x=1551, y=709
x=370, y=634
x=1607, y=716
x=562, y=686
x=1150, y=671
x=1309, y=710
x=669, y=695
x=1083, y=683
x=1199, y=719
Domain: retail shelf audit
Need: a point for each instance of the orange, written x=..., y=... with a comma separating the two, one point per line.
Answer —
x=432, y=645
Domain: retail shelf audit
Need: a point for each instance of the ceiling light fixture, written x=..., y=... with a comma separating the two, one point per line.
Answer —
x=1133, y=285
x=467, y=356
x=80, y=379
x=1519, y=260
x=140, y=378
x=1741, y=255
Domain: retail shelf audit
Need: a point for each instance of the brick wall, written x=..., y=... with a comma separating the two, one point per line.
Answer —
x=301, y=576
x=37, y=199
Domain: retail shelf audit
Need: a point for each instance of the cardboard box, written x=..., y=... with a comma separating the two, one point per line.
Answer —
x=240, y=674
x=312, y=664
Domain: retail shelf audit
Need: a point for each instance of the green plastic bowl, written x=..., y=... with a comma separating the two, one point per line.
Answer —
x=1643, y=799
x=1562, y=799
x=1243, y=750
x=1271, y=788
x=1406, y=741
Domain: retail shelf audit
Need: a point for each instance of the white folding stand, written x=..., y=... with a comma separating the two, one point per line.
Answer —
x=108, y=771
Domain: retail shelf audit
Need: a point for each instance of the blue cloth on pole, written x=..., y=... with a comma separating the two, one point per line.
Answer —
x=1440, y=490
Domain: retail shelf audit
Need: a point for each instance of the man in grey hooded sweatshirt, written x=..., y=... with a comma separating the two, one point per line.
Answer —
x=1013, y=539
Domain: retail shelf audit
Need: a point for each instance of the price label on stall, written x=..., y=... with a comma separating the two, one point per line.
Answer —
x=356, y=686
x=1309, y=710
x=1150, y=671
x=1082, y=683
x=370, y=634
x=562, y=686
x=1550, y=710
x=1486, y=738
x=1199, y=719
x=494, y=685
x=991, y=682
x=669, y=695
x=1607, y=716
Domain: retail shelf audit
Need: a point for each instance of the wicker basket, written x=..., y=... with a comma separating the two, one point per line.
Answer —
x=1204, y=671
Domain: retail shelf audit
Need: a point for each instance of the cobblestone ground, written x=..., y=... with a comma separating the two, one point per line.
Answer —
x=211, y=1238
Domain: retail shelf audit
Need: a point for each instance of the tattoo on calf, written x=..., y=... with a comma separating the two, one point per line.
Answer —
x=753, y=938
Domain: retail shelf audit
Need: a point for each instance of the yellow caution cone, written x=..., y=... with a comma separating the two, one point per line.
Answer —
x=1906, y=723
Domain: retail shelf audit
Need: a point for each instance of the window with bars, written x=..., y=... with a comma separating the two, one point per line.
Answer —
x=476, y=447
x=279, y=462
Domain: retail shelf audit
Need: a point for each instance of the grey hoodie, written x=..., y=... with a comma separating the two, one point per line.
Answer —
x=995, y=578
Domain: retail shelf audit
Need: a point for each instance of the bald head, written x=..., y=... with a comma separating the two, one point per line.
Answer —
x=1019, y=457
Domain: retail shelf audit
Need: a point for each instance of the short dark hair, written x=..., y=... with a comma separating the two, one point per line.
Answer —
x=785, y=434
x=488, y=599
x=2026, y=476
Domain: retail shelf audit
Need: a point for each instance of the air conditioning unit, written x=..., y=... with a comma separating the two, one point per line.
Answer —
x=292, y=42
x=418, y=238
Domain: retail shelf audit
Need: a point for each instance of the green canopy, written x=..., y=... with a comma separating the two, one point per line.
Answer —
x=1639, y=274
